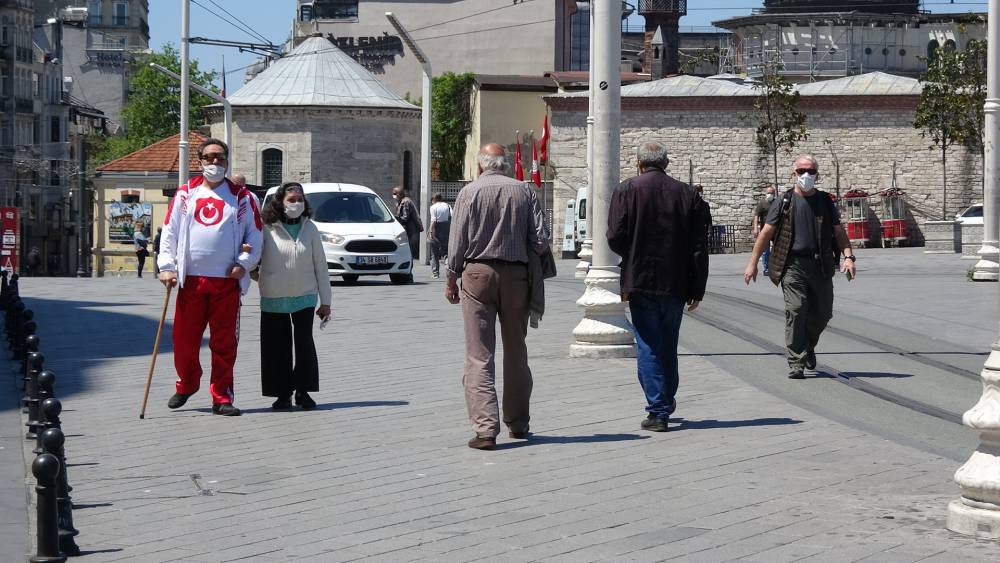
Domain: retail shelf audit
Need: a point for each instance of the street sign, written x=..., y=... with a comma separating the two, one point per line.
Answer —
x=10, y=227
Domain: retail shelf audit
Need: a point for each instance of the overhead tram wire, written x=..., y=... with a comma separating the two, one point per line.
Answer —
x=414, y=30
x=835, y=7
x=230, y=22
x=245, y=24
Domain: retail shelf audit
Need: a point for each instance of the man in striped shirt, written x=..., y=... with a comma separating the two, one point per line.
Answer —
x=496, y=222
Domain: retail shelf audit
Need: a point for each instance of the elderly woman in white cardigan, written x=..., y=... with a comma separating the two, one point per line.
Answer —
x=293, y=283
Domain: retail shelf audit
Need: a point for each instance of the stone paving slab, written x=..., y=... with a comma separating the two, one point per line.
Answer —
x=380, y=471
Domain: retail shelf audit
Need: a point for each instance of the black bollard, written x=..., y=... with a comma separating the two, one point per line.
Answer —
x=34, y=361
x=46, y=405
x=29, y=328
x=31, y=344
x=18, y=337
x=46, y=471
x=4, y=291
x=14, y=317
x=54, y=441
x=31, y=395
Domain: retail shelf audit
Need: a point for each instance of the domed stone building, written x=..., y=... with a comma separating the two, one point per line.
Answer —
x=316, y=115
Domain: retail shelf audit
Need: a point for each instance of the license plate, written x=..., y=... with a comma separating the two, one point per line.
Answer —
x=365, y=260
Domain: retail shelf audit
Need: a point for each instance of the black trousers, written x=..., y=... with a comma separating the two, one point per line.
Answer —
x=280, y=333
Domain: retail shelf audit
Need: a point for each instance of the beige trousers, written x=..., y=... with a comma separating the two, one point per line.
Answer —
x=491, y=289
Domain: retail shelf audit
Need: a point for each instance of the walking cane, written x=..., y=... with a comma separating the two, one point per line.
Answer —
x=156, y=348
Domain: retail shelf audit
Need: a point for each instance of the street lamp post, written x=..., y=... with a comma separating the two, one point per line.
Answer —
x=988, y=266
x=182, y=143
x=227, y=108
x=604, y=331
x=586, y=250
x=425, y=129
x=977, y=511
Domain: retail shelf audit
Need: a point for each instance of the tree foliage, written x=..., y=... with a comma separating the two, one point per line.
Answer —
x=153, y=109
x=450, y=122
x=780, y=125
x=951, y=104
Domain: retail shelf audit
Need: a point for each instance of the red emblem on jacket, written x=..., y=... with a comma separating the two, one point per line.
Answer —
x=209, y=211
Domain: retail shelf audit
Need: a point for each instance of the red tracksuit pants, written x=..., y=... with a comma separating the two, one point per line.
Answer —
x=212, y=302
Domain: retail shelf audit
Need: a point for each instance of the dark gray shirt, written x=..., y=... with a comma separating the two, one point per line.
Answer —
x=806, y=211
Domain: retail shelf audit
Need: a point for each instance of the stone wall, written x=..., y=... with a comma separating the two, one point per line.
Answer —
x=716, y=136
x=327, y=145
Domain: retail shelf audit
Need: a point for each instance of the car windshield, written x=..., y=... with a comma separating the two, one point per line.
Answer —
x=974, y=211
x=346, y=207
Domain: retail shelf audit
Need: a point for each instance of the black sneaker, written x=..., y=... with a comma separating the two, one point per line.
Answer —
x=654, y=424
x=225, y=409
x=303, y=400
x=811, y=359
x=178, y=400
x=282, y=403
x=796, y=373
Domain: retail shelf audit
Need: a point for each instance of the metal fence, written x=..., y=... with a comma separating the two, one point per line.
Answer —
x=449, y=191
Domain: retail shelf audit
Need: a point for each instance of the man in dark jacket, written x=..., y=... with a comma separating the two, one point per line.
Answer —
x=409, y=216
x=659, y=226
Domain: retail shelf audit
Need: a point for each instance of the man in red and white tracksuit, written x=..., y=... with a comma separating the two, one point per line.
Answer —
x=202, y=249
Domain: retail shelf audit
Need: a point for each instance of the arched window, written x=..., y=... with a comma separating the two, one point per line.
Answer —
x=932, y=48
x=408, y=171
x=950, y=45
x=271, y=167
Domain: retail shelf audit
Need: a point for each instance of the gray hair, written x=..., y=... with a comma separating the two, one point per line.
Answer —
x=488, y=161
x=652, y=153
x=808, y=157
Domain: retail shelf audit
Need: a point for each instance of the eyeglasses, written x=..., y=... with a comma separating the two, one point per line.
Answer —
x=810, y=171
x=214, y=157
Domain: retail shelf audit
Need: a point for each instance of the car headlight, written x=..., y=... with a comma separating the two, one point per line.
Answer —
x=332, y=238
x=402, y=239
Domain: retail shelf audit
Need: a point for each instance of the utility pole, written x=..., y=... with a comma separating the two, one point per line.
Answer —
x=586, y=249
x=81, y=269
x=977, y=511
x=604, y=331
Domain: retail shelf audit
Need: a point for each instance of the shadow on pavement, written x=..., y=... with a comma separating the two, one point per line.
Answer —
x=319, y=407
x=684, y=424
x=865, y=374
x=538, y=439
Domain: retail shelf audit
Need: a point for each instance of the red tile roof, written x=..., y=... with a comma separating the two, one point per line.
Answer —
x=161, y=156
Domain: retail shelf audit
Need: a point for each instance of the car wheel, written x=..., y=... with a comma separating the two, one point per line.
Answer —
x=350, y=279
x=400, y=279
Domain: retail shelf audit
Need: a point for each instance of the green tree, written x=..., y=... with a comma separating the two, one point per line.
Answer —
x=450, y=121
x=950, y=110
x=780, y=125
x=153, y=109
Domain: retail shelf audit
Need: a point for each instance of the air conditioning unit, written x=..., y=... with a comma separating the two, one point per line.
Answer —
x=74, y=14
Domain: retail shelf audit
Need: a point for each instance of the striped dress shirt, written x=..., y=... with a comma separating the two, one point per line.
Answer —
x=495, y=218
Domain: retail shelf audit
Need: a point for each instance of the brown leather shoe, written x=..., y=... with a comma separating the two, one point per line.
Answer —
x=521, y=433
x=482, y=442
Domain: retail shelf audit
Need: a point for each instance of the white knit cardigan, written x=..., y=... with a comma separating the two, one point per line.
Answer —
x=294, y=267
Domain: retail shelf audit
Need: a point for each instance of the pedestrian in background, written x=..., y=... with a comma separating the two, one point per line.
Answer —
x=238, y=179
x=497, y=223
x=33, y=261
x=202, y=250
x=156, y=250
x=409, y=216
x=439, y=232
x=659, y=226
x=759, y=218
x=808, y=239
x=141, y=246
x=293, y=280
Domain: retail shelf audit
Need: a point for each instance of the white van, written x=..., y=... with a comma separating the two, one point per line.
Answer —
x=575, y=224
x=361, y=236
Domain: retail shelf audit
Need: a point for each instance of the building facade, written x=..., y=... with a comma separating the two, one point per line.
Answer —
x=864, y=123
x=482, y=36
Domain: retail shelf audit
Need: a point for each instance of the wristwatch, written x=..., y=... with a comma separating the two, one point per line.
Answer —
x=852, y=258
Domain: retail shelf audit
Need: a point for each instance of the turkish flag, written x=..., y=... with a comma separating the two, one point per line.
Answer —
x=536, y=174
x=545, y=141
x=518, y=169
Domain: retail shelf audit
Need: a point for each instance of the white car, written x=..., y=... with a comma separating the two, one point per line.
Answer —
x=971, y=216
x=361, y=236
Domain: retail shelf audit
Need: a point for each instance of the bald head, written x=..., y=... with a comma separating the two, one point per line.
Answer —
x=492, y=157
x=239, y=179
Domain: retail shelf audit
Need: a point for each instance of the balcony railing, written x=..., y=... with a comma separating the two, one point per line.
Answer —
x=663, y=7
x=24, y=105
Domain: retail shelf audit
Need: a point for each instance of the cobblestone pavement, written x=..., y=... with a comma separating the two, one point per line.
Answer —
x=380, y=471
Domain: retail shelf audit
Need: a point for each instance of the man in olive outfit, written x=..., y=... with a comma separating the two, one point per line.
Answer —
x=808, y=239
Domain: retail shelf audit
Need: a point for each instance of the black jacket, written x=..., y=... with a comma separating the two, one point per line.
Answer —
x=659, y=226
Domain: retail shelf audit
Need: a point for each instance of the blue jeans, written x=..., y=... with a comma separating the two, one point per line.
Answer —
x=657, y=321
x=767, y=256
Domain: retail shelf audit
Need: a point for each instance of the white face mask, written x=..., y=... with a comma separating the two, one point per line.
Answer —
x=770, y=197
x=213, y=172
x=807, y=181
x=395, y=197
x=294, y=210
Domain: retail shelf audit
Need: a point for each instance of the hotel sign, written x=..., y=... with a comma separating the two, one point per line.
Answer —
x=373, y=53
